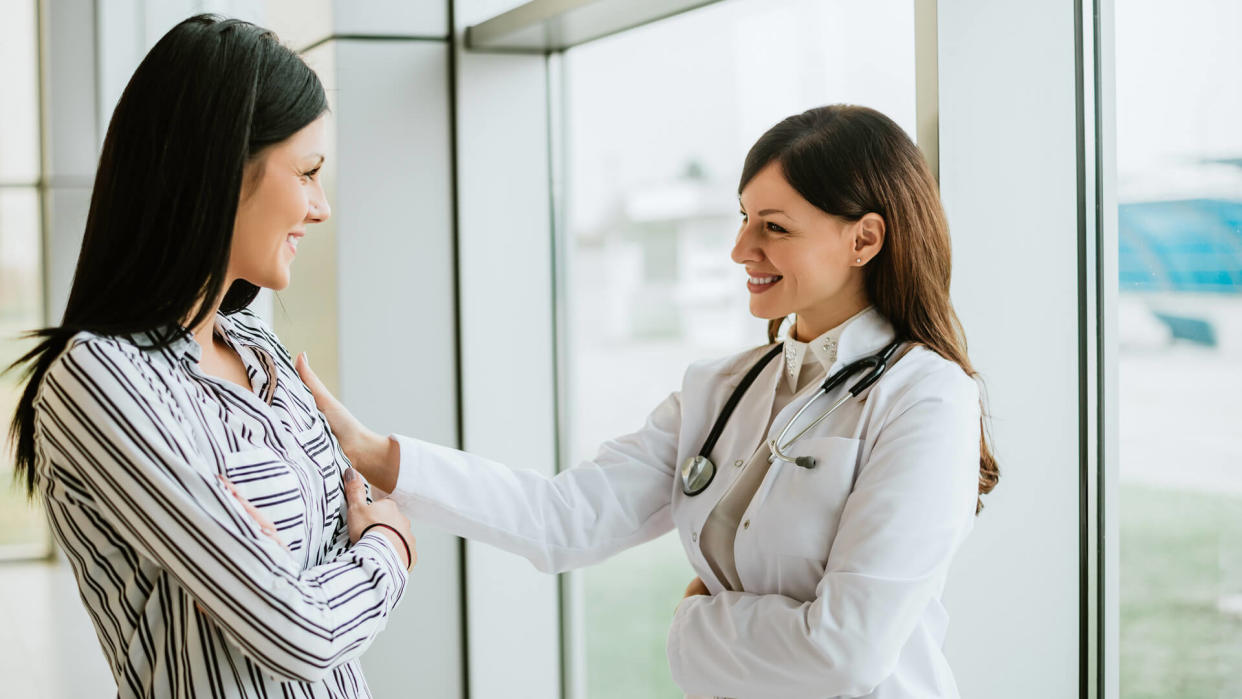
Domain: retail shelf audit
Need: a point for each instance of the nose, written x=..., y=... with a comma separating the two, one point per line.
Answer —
x=318, y=210
x=746, y=248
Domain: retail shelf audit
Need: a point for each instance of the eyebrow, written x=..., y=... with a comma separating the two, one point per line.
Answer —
x=319, y=157
x=765, y=212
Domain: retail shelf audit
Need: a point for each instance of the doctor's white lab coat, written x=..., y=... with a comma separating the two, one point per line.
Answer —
x=842, y=565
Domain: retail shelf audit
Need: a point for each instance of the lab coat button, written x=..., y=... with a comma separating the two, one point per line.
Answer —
x=738, y=463
x=746, y=524
x=694, y=536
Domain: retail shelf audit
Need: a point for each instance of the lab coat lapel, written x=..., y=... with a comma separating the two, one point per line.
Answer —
x=741, y=437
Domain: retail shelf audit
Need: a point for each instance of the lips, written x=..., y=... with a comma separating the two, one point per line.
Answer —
x=757, y=284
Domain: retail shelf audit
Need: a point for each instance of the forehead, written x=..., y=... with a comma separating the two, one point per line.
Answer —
x=307, y=141
x=769, y=185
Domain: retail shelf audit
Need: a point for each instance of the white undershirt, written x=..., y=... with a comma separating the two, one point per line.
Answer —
x=806, y=364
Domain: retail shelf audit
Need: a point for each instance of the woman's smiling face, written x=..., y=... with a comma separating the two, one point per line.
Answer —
x=281, y=193
x=799, y=259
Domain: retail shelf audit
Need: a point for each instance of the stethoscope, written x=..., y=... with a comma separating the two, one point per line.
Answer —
x=698, y=471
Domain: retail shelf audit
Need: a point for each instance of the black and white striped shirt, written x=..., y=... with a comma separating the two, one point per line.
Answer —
x=130, y=442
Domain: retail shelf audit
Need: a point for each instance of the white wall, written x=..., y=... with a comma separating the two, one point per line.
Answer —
x=507, y=347
x=1008, y=180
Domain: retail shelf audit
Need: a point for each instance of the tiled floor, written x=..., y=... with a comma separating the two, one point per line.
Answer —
x=48, y=648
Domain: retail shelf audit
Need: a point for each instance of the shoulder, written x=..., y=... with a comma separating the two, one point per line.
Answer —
x=88, y=348
x=923, y=375
x=727, y=370
x=100, y=366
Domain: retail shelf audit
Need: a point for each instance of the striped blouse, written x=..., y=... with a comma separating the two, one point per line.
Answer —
x=188, y=597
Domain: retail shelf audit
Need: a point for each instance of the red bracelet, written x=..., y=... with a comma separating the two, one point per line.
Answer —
x=409, y=557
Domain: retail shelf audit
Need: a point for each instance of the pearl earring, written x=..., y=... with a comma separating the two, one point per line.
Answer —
x=858, y=261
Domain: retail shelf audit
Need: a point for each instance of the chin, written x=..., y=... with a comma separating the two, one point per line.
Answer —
x=275, y=282
x=765, y=312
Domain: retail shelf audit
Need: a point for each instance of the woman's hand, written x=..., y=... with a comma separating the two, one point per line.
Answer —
x=375, y=456
x=696, y=587
x=360, y=514
x=265, y=525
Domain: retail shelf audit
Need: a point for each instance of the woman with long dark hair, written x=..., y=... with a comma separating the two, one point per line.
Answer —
x=820, y=484
x=198, y=494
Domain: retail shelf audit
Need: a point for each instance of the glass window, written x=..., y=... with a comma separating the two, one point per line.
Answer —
x=22, y=528
x=1179, y=158
x=19, y=118
x=657, y=123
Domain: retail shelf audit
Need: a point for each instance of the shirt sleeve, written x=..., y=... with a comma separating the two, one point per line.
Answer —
x=911, y=507
x=100, y=418
x=580, y=516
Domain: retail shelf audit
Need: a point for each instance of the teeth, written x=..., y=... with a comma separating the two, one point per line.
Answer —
x=293, y=240
x=762, y=280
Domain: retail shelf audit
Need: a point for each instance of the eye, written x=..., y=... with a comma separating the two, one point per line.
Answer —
x=310, y=174
x=744, y=217
x=775, y=228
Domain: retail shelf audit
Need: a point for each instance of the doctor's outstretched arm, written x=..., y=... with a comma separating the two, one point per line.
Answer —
x=580, y=516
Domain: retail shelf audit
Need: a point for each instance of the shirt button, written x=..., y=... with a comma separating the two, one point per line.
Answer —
x=694, y=536
x=738, y=463
x=746, y=524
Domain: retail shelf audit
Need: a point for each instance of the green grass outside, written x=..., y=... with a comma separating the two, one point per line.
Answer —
x=629, y=605
x=1180, y=553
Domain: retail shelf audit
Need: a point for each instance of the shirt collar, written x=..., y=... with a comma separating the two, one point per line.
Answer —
x=863, y=333
x=183, y=343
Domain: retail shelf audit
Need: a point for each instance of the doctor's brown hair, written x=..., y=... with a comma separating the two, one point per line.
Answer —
x=850, y=161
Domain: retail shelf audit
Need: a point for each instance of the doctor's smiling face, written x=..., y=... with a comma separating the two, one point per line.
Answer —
x=800, y=259
x=281, y=194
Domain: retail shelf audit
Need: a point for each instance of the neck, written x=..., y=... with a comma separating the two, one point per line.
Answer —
x=203, y=332
x=815, y=322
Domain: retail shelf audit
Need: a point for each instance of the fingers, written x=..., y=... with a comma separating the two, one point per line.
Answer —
x=355, y=488
x=323, y=397
x=696, y=587
x=265, y=525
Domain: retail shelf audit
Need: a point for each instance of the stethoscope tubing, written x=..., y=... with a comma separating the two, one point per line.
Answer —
x=776, y=446
x=698, y=471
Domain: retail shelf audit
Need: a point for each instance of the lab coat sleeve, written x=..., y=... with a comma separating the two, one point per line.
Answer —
x=578, y=517
x=912, y=505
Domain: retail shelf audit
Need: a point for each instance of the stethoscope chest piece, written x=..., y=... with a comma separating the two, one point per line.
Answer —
x=697, y=473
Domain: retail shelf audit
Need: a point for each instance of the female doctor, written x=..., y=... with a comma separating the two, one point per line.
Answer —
x=821, y=545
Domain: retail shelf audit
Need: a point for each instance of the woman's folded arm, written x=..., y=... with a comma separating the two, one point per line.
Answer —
x=99, y=419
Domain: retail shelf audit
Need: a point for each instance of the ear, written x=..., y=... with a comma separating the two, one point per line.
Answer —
x=868, y=238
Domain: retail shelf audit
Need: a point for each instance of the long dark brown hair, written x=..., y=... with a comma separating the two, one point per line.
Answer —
x=210, y=96
x=850, y=161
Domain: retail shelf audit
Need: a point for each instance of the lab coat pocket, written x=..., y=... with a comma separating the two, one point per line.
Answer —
x=805, y=504
x=267, y=482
